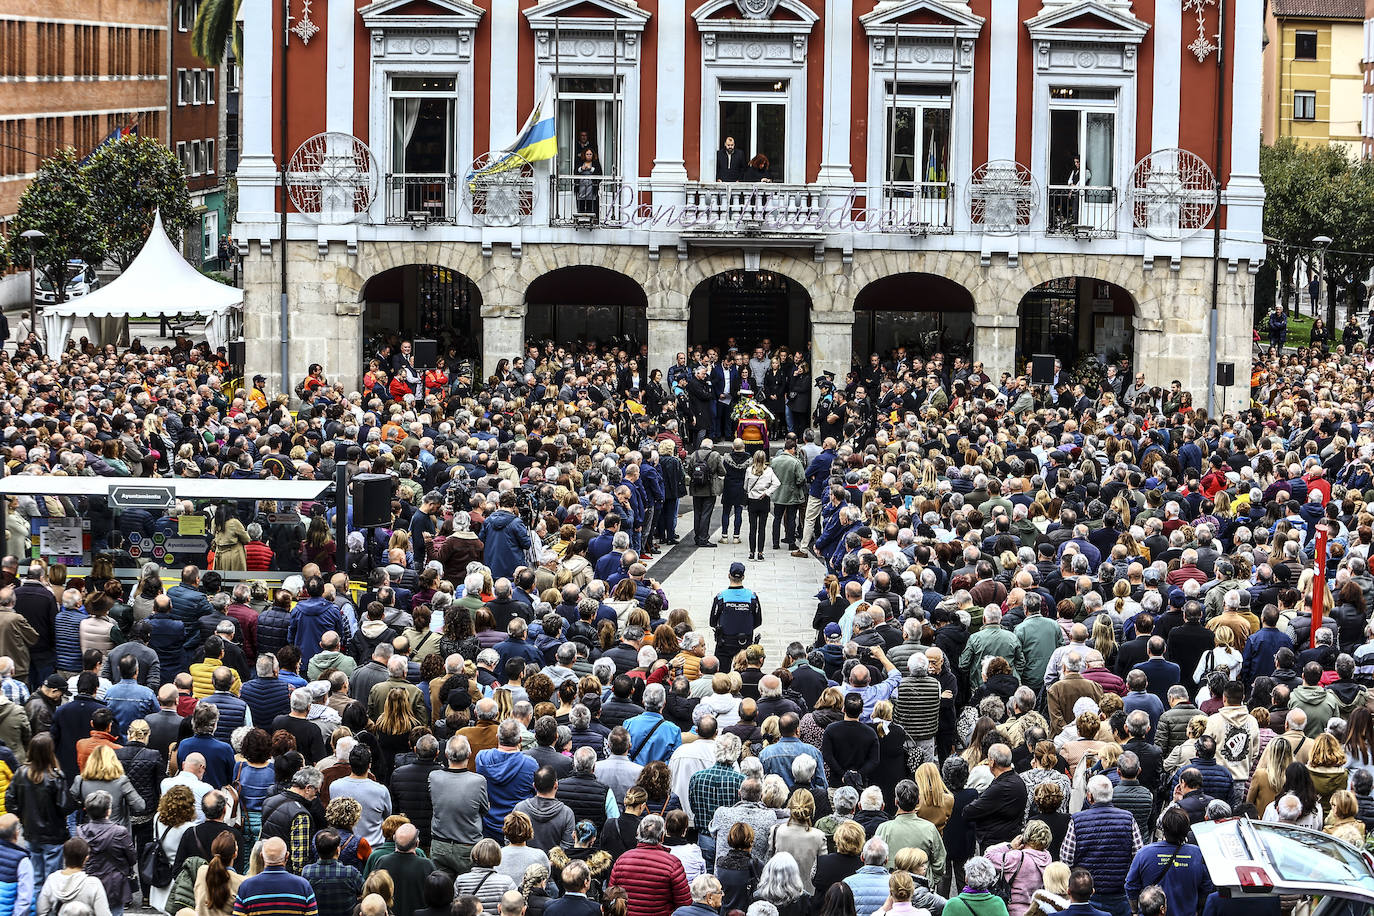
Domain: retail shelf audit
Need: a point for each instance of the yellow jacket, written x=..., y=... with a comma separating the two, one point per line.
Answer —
x=202, y=677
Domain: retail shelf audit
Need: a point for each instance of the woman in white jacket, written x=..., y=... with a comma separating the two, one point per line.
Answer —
x=760, y=483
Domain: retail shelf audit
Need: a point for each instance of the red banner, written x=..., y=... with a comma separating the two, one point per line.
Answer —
x=1318, y=585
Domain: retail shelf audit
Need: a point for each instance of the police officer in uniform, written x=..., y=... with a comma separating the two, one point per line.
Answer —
x=735, y=615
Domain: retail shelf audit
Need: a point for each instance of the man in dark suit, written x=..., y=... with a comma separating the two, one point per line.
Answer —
x=574, y=902
x=1160, y=673
x=729, y=162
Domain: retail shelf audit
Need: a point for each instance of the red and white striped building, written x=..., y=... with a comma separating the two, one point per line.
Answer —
x=1000, y=177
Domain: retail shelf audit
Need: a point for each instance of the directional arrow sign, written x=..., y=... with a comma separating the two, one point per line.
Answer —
x=155, y=499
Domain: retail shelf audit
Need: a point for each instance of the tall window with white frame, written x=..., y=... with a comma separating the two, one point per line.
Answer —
x=754, y=113
x=589, y=110
x=916, y=168
x=420, y=183
x=1082, y=159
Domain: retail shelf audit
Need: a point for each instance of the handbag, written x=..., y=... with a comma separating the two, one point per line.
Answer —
x=154, y=868
x=1002, y=886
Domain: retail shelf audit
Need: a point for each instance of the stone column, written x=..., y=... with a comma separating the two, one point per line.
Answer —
x=503, y=334
x=257, y=172
x=667, y=338
x=670, y=92
x=832, y=342
x=994, y=342
x=836, y=126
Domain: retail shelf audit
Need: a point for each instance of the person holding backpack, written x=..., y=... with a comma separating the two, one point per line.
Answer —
x=705, y=480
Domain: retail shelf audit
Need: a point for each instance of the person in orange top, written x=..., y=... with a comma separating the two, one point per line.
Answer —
x=436, y=379
x=102, y=732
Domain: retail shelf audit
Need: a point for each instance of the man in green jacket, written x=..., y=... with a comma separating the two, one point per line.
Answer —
x=1039, y=637
x=991, y=639
x=790, y=495
x=1319, y=703
x=910, y=829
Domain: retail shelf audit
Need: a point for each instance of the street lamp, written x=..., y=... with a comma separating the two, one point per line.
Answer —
x=33, y=236
x=1321, y=241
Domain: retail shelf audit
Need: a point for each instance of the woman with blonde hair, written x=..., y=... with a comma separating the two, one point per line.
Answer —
x=892, y=760
x=1344, y=810
x=798, y=837
x=1045, y=768
x=1327, y=766
x=829, y=708
x=1104, y=639
x=393, y=730
x=1023, y=862
x=104, y=772
x=1053, y=896
x=1267, y=782
x=915, y=862
x=1197, y=727
x=1223, y=657
x=342, y=815
x=937, y=802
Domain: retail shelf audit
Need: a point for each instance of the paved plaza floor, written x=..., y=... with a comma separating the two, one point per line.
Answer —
x=786, y=585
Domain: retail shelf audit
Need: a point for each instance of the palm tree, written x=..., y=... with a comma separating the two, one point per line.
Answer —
x=216, y=23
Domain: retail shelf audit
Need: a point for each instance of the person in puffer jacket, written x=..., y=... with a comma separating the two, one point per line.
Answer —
x=652, y=876
x=505, y=538
x=16, y=870
x=869, y=883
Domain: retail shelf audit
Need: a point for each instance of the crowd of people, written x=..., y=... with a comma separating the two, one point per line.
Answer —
x=1056, y=628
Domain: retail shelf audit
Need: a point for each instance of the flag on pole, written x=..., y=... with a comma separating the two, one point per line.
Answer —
x=537, y=140
x=1318, y=584
x=932, y=164
x=117, y=134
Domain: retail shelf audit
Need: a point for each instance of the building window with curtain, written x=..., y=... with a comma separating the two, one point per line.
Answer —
x=1082, y=159
x=589, y=119
x=421, y=158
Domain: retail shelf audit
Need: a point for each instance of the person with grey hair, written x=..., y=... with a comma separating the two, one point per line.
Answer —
x=509, y=774
x=589, y=798
x=397, y=669
x=652, y=737
x=1071, y=687
x=916, y=705
x=410, y=786
x=998, y=813
x=1103, y=839
x=653, y=878
x=869, y=883
x=112, y=854
x=459, y=801
x=309, y=741
x=991, y=640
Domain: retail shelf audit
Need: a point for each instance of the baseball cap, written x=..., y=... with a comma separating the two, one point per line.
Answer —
x=736, y=569
x=832, y=630
x=57, y=682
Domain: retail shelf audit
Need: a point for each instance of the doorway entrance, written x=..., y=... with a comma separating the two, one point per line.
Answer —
x=743, y=308
x=1076, y=318
x=426, y=301
x=587, y=304
x=923, y=314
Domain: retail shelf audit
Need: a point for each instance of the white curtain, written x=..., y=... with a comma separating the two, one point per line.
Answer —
x=1098, y=150
x=217, y=329
x=405, y=114
x=107, y=329
x=57, y=329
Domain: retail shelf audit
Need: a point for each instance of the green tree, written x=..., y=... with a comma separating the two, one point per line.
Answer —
x=1305, y=190
x=136, y=177
x=58, y=204
x=215, y=26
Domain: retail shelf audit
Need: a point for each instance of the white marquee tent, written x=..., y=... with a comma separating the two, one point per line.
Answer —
x=159, y=283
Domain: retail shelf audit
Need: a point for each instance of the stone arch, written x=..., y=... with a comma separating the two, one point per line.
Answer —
x=749, y=304
x=1074, y=314
x=586, y=301
x=419, y=299
x=923, y=312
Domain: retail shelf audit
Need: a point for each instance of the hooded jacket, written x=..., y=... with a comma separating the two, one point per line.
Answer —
x=1319, y=704
x=310, y=620
x=510, y=780
x=505, y=539
x=552, y=820
x=1237, y=736
x=60, y=889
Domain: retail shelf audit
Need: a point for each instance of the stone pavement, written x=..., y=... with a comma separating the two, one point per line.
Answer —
x=786, y=586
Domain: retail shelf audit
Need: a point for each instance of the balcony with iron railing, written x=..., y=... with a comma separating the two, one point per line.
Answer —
x=421, y=199
x=918, y=208
x=586, y=202
x=1081, y=212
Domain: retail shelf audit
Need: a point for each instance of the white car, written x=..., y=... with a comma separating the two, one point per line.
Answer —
x=80, y=282
x=1254, y=857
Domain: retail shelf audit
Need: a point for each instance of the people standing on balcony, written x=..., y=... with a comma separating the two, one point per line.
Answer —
x=1079, y=177
x=585, y=187
x=759, y=169
x=729, y=162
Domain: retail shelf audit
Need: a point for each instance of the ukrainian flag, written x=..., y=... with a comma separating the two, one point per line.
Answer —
x=537, y=140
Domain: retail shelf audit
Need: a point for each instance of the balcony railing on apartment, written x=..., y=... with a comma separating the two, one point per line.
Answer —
x=1082, y=212
x=753, y=209
x=590, y=201
x=920, y=208
x=421, y=198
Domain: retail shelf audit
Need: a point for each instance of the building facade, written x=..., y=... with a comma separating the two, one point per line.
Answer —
x=199, y=119
x=1314, y=72
x=72, y=76
x=990, y=178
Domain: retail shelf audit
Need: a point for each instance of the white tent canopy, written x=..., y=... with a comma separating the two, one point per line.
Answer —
x=159, y=283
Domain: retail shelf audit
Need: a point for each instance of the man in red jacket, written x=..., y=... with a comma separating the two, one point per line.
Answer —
x=652, y=876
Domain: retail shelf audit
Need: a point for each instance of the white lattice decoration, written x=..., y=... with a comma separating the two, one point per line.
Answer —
x=1173, y=194
x=503, y=197
x=332, y=178
x=1202, y=46
x=1003, y=197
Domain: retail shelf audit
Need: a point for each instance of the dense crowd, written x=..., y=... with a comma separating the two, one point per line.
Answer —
x=1056, y=628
